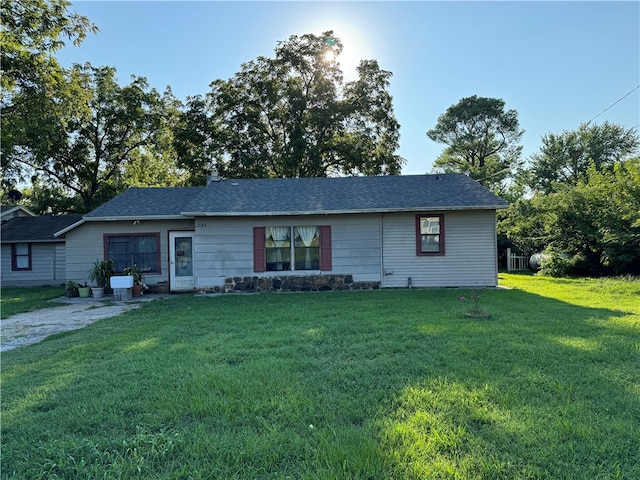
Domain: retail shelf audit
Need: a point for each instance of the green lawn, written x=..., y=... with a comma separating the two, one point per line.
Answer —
x=344, y=385
x=19, y=300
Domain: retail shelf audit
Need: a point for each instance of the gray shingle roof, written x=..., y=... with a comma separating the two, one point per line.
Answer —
x=289, y=196
x=147, y=202
x=36, y=229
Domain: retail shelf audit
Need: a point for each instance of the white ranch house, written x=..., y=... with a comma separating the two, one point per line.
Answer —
x=297, y=234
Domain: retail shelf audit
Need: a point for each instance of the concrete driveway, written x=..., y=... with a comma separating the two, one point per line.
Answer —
x=33, y=327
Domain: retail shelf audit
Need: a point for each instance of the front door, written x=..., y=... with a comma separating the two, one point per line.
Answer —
x=181, y=273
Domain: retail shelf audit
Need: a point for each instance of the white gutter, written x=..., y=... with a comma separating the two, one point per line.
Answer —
x=70, y=227
x=128, y=218
x=26, y=240
x=340, y=212
x=112, y=218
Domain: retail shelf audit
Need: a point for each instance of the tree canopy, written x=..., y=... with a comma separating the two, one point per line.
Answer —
x=482, y=139
x=585, y=210
x=564, y=159
x=31, y=31
x=293, y=116
x=75, y=144
x=594, y=223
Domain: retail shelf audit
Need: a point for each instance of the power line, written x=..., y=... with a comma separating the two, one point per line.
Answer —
x=494, y=174
x=614, y=103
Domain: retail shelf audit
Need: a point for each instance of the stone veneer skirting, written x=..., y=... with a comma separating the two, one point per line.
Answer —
x=307, y=283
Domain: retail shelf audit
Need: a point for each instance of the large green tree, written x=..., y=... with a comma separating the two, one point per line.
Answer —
x=77, y=144
x=564, y=159
x=595, y=223
x=31, y=31
x=293, y=116
x=482, y=139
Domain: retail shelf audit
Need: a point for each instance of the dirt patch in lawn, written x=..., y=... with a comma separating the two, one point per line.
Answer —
x=33, y=327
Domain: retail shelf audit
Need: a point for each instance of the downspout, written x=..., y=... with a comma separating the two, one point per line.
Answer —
x=382, y=276
x=55, y=264
x=495, y=246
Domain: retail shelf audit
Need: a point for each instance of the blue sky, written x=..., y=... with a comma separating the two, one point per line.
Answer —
x=558, y=64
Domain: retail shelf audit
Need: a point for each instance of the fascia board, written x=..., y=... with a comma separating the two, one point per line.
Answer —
x=70, y=227
x=113, y=218
x=338, y=212
x=123, y=219
x=26, y=240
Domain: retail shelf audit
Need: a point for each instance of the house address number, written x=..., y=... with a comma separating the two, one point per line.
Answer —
x=201, y=225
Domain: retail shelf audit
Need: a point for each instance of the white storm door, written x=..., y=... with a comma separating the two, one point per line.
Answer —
x=181, y=266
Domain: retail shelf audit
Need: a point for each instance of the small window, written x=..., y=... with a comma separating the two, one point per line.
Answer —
x=430, y=234
x=140, y=250
x=20, y=256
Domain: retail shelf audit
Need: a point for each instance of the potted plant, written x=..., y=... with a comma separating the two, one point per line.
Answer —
x=84, y=290
x=71, y=289
x=135, y=272
x=100, y=273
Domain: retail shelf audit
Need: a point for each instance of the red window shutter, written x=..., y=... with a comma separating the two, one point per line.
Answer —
x=259, y=260
x=325, y=248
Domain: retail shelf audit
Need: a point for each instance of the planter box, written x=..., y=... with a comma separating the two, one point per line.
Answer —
x=121, y=286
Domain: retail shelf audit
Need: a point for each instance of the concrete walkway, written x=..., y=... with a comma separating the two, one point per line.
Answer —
x=74, y=313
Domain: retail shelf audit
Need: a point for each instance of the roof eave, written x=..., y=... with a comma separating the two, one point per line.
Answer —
x=70, y=227
x=28, y=240
x=127, y=218
x=342, y=212
x=114, y=218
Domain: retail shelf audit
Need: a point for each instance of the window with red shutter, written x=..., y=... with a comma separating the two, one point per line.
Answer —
x=259, y=262
x=284, y=248
x=325, y=248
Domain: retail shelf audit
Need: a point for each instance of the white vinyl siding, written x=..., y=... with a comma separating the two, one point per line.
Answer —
x=60, y=260
x=224, y=246
x=363, y=245
x=85, y=244
x=470, y=257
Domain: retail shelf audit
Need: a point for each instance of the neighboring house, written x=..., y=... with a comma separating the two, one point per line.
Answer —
x=298, y=234
x=31, y=255
x=7, y=212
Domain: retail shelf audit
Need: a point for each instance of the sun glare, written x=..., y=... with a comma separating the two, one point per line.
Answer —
x=329, y=55
x=355, y=44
